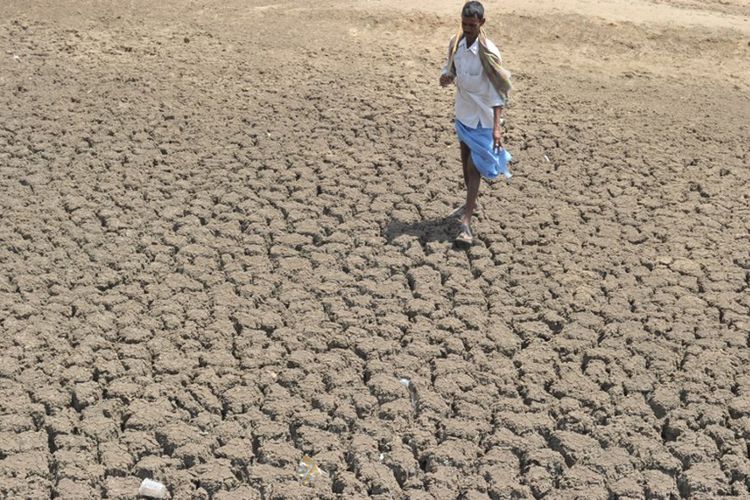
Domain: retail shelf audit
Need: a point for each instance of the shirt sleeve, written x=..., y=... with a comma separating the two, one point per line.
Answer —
x=495, y=98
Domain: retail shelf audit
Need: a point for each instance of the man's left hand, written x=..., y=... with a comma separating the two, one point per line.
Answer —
x=497, y=139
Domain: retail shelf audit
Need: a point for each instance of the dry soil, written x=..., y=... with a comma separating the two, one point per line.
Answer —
x=223, y=244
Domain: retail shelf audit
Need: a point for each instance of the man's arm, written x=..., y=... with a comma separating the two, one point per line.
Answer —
x=446, y=75
x=498, y=104
x=497, y=129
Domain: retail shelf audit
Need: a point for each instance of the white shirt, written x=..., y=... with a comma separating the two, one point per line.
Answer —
x=475, y=95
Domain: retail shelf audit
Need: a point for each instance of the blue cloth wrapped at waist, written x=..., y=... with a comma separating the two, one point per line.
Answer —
x=488, y=162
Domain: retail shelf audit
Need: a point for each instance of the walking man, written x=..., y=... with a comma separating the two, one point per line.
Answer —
x=482, y=86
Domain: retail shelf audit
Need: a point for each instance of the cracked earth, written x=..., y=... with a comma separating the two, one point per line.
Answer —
x=224, y=244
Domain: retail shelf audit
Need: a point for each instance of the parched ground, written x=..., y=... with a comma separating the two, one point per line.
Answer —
x=223, y=243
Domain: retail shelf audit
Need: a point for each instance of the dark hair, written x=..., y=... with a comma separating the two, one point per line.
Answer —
x=473, y=9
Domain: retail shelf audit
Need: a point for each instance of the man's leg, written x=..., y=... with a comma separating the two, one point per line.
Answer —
x=468, y=169
x=465, y=158
x=473, y=179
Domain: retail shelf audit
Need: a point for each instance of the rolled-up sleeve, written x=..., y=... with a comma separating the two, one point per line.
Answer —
x=495, y=98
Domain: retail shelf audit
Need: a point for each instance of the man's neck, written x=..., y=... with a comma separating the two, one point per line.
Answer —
x=470, y=41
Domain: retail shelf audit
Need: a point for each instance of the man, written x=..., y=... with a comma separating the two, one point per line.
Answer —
x=482, y=87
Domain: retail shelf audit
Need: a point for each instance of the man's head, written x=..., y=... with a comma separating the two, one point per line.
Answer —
x=472, y=19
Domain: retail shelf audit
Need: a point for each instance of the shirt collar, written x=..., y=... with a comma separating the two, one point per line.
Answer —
x=474, y=46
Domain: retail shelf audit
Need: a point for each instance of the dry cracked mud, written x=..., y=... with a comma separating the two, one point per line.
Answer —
x=223, y=245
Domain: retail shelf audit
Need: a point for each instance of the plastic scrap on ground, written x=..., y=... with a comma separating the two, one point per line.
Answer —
x=152, y=489
x=412, y=391
x=308, y=471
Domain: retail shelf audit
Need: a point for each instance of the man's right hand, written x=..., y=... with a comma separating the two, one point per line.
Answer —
x=446, y=80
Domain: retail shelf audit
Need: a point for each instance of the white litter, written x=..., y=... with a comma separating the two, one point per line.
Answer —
x=153, y=489
x=308, y=471
x=546, y=158
x=412, y=391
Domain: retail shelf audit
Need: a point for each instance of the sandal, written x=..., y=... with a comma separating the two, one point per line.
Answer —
x=465, y=236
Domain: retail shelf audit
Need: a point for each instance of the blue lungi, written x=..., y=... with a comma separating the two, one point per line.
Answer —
x=488, y=162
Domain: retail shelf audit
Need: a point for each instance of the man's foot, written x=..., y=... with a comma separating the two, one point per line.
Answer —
x=465, y=236
x=459, y=212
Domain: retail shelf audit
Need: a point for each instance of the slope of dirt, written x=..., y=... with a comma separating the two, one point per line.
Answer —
x=224, y=244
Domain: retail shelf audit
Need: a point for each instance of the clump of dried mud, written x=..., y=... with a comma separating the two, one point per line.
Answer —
x=224, y=244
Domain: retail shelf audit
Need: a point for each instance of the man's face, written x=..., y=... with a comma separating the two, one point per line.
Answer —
x=470, y=26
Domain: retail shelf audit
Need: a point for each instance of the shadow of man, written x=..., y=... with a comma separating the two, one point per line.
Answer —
x=440, y=229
